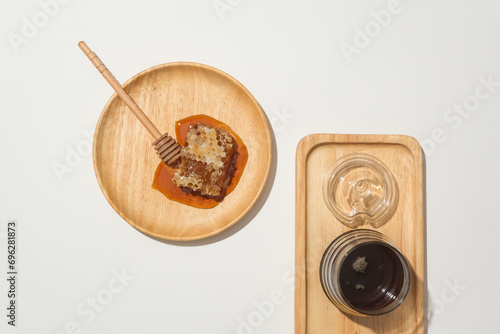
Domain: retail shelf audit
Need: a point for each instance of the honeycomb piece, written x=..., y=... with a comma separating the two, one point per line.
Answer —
x=206, y=158
x=360, y=265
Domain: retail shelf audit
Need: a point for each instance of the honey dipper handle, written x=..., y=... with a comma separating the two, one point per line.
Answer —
x=119, y=90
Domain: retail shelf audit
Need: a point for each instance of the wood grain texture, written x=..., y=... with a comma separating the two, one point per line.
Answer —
x=125, y=162
x=316, y=227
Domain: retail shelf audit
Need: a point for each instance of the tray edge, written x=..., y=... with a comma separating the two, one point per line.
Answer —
x=304, y=147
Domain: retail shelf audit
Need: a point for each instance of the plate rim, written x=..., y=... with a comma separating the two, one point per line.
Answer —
x=268, y=141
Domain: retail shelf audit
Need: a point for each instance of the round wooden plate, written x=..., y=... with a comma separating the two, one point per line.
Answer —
x=125, y=162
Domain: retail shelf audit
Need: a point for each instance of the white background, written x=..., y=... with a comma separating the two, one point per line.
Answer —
x=429, y=56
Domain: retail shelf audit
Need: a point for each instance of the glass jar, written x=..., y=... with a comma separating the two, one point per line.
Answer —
x=363, y=273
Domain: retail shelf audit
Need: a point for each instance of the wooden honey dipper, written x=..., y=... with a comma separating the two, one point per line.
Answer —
x=167, y=148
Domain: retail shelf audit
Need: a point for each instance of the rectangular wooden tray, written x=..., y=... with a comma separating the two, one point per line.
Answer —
x=316, y=227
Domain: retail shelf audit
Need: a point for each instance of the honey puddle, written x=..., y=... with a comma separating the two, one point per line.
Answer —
x=164, y=174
